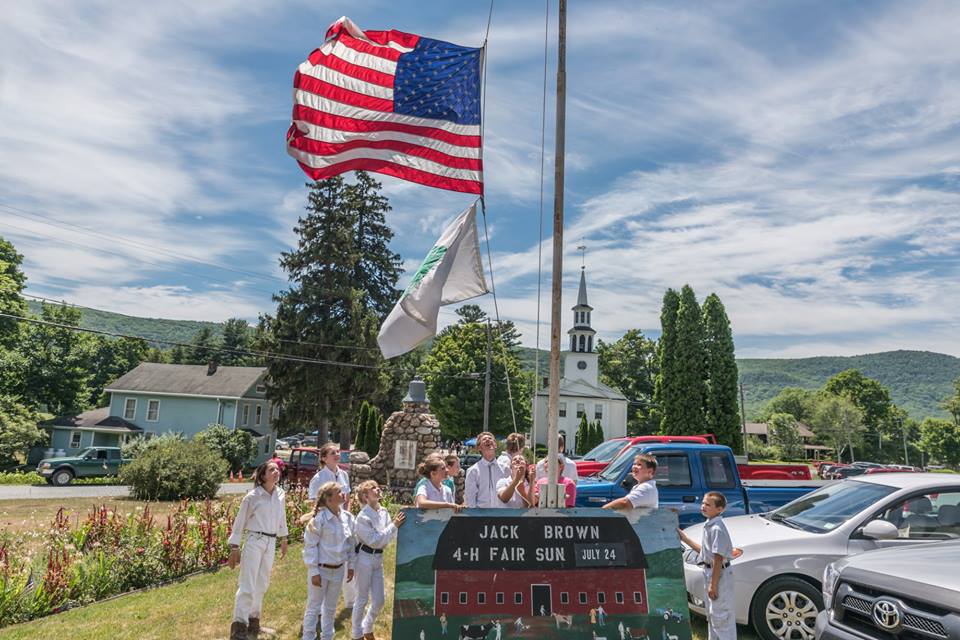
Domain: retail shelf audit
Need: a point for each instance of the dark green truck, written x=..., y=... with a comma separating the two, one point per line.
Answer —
x=94, y=462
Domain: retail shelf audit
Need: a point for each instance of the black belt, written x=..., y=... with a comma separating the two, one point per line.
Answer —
x=331, y=566
x=704, y=564
x=263, y=533
x=363, y=547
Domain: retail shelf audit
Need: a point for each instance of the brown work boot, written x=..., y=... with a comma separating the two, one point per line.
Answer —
x=253, y=628
x=368, y=636
x=238, y=631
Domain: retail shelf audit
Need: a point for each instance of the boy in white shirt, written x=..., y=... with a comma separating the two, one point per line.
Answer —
x=480, y=484
x=569, y=466
x=644, y=494
x=716, y=551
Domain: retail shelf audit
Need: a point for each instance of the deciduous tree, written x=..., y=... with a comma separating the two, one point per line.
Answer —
x=631, y=365
x=785, y=437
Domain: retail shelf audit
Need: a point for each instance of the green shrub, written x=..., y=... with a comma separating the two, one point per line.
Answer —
x=235, y=446
x=175, y=469
x=137, y=446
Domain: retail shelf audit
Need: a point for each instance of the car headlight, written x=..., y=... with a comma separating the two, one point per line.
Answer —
x=45, y=465
x=830, y=577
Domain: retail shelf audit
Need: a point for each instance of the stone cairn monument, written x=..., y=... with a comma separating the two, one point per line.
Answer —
x=408, y=436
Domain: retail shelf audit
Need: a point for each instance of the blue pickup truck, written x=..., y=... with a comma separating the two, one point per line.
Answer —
x=684, y=473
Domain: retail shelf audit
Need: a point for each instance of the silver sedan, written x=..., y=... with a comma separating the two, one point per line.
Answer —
x=777, y=578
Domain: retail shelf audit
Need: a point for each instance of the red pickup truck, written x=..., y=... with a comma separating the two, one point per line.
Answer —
x=597, y=459
x=302, y=465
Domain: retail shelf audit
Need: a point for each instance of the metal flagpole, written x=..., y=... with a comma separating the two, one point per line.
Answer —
x=486, y=383
x=553, y=401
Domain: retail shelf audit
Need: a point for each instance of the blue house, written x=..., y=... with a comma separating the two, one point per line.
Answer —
x=154, y=399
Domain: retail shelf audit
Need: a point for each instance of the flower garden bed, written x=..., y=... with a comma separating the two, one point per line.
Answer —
x=79, y=561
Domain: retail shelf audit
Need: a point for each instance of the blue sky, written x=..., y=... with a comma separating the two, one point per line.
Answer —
x=801, y=159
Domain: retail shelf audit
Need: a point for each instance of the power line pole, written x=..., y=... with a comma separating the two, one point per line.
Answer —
x=553, y=399
x=743, y=422
x=903, y=430
x=486, y=382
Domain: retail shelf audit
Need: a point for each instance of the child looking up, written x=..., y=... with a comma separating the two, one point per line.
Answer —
x=329, y=552
x=716, y=551
x=644, y=493
x=434, y=494
x=375, y=531
x=263, y=515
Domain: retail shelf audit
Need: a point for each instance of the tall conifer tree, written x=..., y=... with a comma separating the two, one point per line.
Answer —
x=722, y=407
x=666, y=352
x=685, y=392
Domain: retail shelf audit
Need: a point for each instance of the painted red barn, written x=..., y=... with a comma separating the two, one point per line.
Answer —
x=530, y=565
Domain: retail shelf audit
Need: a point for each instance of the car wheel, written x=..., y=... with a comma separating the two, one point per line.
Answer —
x=786, y=609
x=62, y=477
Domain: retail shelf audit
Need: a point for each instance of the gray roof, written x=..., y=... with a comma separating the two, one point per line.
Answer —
x=584, y=389
x=582, y=293
x=188, y=380
x=762, y=429
x=99, y=419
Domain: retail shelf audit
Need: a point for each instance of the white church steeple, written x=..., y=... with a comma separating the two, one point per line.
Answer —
x=581, y=360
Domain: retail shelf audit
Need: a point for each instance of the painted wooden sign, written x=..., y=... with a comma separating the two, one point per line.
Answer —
x=493, y=574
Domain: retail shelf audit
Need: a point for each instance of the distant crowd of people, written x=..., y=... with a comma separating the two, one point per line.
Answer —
x=344, y=553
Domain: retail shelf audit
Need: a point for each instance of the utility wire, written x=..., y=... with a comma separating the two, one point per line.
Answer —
x=267, y=355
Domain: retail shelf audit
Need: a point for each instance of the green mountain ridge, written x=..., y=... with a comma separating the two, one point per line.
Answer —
x=918, y=380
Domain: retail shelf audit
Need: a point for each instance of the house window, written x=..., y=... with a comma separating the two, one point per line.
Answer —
x=153, y=410
x=500, y=598
x=481, y=597
x=638, y=597
x=246, y=414
x=564, y=597
x=463, y=597
x=259, y=414
x=75, y=439
x=130, y=409
x=581, y=409
x=518, y=597
x=444, y=597
x=563, y=409
x=582, y=597
x=261, y=388
x=618, y=596
x=598, y=412
x=601, y=597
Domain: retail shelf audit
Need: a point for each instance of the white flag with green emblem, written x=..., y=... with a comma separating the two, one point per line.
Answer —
x=451, y=272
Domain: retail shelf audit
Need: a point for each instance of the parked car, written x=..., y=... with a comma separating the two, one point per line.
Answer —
x=596, y=460
x=849, y=472
x=891, y=469
x=778, y=575
x=684, y=473
x=906, y=593
x=467, y=460
x=94, y=462
x=303, y=463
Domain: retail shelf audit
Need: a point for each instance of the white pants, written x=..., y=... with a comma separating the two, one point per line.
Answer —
x=349, y=591
x=721, y=621
x=322, y=603
x=369, y=586
x=256, y=562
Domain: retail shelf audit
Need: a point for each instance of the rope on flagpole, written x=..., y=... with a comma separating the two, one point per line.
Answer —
x=543, y=145
x=496, y=311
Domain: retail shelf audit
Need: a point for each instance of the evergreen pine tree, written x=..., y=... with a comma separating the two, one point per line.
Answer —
x=685, y=376
x=360, y=438
x=722, y=407
x=372, y=438
x=12, y=283
x=596, y=434
x=202, y=348
x=236, y=337
x=583, y=436
x=666, y=353
x=343, y=283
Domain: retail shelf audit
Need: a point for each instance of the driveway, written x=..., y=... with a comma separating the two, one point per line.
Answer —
x=23, y=492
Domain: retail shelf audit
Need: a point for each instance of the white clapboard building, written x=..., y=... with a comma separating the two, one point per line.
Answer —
x=581, y=391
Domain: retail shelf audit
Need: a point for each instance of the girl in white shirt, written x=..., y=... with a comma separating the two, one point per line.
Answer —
x=328, y=551
x=374, y=531
x=514, y=492
x=330, y=471
x=263, y=515
x=433, y=494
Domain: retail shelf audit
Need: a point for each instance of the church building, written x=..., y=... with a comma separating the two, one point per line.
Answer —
x=581, y=392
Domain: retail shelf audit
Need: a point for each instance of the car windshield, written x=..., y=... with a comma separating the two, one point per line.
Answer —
x=621, y=462
x=828, y=507
x=605, y=451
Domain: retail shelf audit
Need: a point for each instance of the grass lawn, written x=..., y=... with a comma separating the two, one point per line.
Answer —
x=201, y=607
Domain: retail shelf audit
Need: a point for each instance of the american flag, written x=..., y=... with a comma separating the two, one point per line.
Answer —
x=390, y=102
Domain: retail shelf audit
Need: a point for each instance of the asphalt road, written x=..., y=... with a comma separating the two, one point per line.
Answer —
x=23, y=492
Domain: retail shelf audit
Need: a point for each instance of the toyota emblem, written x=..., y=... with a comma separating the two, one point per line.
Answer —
x=886, y=614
